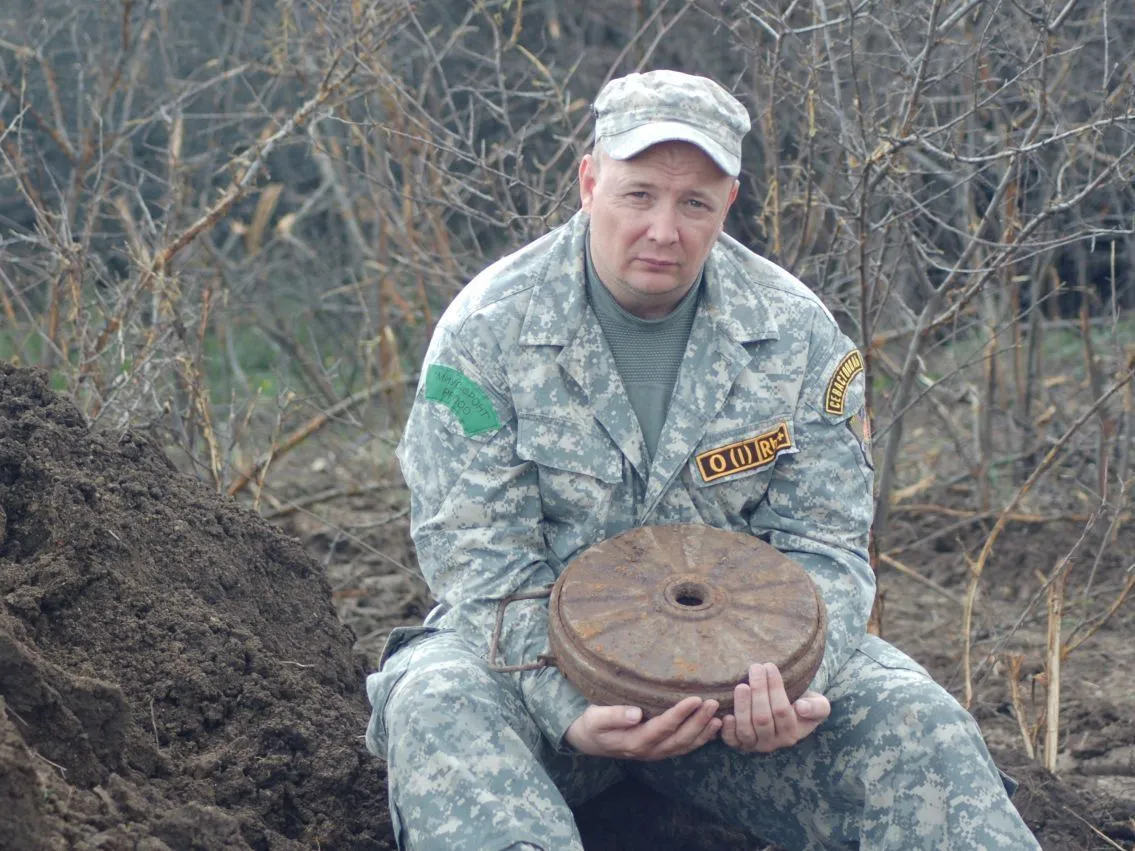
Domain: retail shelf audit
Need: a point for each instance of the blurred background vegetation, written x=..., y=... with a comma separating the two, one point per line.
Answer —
x=236, y=221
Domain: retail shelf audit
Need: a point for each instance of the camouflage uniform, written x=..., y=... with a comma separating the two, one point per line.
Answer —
x=521, y=450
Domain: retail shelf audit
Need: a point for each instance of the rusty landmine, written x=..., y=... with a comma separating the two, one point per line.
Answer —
x=660, y=613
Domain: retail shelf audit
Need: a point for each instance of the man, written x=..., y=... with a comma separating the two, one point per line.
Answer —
x=584, y=386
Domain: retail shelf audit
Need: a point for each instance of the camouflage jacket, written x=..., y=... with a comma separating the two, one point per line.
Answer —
x=522, y=449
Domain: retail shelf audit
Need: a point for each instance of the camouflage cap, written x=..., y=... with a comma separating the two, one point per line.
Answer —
x=639, y=110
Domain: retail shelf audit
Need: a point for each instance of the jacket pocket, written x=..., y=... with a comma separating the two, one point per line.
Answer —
x=561, y=446
x=580, y=472
x=730, y=470
x=749, y=452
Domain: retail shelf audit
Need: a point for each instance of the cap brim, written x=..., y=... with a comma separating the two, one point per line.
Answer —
x=623, y=146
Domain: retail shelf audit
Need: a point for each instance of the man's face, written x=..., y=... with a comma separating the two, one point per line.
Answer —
x=654, y=219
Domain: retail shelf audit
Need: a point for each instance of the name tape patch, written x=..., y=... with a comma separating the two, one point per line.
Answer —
x=836, y=396
x=464, y=397
x=747, y=454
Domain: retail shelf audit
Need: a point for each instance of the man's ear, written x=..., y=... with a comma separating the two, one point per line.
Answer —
x=588, y=176
x=732, y=195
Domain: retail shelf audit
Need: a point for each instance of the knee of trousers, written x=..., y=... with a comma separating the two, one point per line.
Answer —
x=451, y=698
x=918, y=720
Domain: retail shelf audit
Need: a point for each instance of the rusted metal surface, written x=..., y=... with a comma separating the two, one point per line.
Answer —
x=663, y=612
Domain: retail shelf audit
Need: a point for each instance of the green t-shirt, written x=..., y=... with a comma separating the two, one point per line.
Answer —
x=647, y=352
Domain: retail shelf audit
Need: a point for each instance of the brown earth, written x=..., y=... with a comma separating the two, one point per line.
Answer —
x=175, y=671
x=172, y=670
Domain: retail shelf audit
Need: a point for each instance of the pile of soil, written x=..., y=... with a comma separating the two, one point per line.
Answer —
x=173, y=674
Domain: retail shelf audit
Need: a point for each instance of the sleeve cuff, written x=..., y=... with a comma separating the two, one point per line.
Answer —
x=554, y=704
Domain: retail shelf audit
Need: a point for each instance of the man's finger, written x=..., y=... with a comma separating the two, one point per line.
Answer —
x=711, y=729
x=742, y=717
x=760, y=706
x=698, y=727
x=609, y=718
x=663, y=726
x=694, y=727
x=729, y=732
x=783, y=716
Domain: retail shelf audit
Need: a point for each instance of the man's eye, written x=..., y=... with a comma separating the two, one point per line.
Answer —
x=639, y=194
x=698, y=205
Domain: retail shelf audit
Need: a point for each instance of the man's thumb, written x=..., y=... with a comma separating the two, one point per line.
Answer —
x=813, y=707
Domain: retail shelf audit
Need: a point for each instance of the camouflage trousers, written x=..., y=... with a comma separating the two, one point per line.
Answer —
x=898, y=764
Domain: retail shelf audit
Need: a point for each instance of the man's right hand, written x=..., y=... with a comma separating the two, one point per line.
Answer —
x=618, y=732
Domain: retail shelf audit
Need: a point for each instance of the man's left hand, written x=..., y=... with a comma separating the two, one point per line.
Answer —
x=764, y=720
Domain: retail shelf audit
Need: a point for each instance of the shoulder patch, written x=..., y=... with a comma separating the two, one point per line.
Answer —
x=835, y=398
x=464, y=397
x=748, y=454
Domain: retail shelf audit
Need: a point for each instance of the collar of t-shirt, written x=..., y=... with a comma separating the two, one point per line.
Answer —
x=647, y=352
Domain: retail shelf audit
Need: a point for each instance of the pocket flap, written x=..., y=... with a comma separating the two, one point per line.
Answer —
x=572, y=447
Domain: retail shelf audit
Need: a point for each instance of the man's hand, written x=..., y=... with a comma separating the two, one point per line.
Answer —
x=763, y=720
x=619, y=732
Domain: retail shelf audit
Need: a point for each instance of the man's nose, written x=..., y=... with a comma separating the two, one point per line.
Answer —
x=663, y=225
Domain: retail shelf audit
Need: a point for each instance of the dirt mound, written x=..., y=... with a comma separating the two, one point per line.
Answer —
x=172, y=671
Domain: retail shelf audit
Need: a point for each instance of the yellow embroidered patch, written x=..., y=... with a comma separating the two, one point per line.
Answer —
x=747, y=454
x=836, y=396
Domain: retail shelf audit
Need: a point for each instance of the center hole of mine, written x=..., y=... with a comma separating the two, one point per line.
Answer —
x=689, y=594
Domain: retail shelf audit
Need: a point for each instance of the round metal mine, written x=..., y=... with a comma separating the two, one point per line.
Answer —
x=660, y=613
